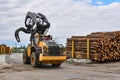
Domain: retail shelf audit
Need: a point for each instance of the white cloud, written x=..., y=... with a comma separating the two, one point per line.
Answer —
x=67, y=18
x=99, y=2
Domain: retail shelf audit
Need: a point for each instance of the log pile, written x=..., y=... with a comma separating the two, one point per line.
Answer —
x=5, y=49
x=103, y=46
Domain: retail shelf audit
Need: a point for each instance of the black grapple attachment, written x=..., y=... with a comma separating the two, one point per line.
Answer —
x=35, y=24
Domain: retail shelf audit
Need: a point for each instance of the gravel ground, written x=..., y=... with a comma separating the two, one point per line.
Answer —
x=18, y=71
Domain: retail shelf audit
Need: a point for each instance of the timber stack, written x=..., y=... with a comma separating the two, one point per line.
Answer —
x=103, y=46
x=5, y=49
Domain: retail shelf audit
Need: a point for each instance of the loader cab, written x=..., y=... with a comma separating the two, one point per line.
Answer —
x=39, y=38
x=46, y=37
x=43, y=37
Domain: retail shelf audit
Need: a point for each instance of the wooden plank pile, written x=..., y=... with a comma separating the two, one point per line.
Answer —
x=103, y=46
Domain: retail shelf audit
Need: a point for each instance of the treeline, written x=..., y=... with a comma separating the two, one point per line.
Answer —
x=20, y=49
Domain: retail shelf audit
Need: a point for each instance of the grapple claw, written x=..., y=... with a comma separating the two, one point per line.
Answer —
x=17, y=33
x=34, y=23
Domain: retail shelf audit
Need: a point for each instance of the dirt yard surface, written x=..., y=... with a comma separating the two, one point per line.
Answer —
x=18, y=71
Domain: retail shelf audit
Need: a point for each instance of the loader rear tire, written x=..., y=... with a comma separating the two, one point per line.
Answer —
x=56, y=65
x=26, y=59
x=34, y=59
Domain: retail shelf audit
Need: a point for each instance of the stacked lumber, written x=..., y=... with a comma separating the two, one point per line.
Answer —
x=103, y=46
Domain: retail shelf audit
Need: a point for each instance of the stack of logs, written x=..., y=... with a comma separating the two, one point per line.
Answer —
x=103, y=46
x=5, y=49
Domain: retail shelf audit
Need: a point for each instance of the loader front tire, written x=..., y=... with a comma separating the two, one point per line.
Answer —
x=26, y=59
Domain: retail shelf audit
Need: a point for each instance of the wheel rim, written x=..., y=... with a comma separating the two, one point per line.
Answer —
x=32, y=59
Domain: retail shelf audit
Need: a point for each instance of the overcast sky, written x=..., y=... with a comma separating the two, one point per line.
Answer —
x=67, y=17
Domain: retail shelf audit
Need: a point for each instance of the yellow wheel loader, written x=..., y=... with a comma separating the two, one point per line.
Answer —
x=42, y=48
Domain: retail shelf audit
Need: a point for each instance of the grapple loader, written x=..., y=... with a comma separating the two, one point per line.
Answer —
x=42, y=49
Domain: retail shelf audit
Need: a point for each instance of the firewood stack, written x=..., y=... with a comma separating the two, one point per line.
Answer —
x=103, y=46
